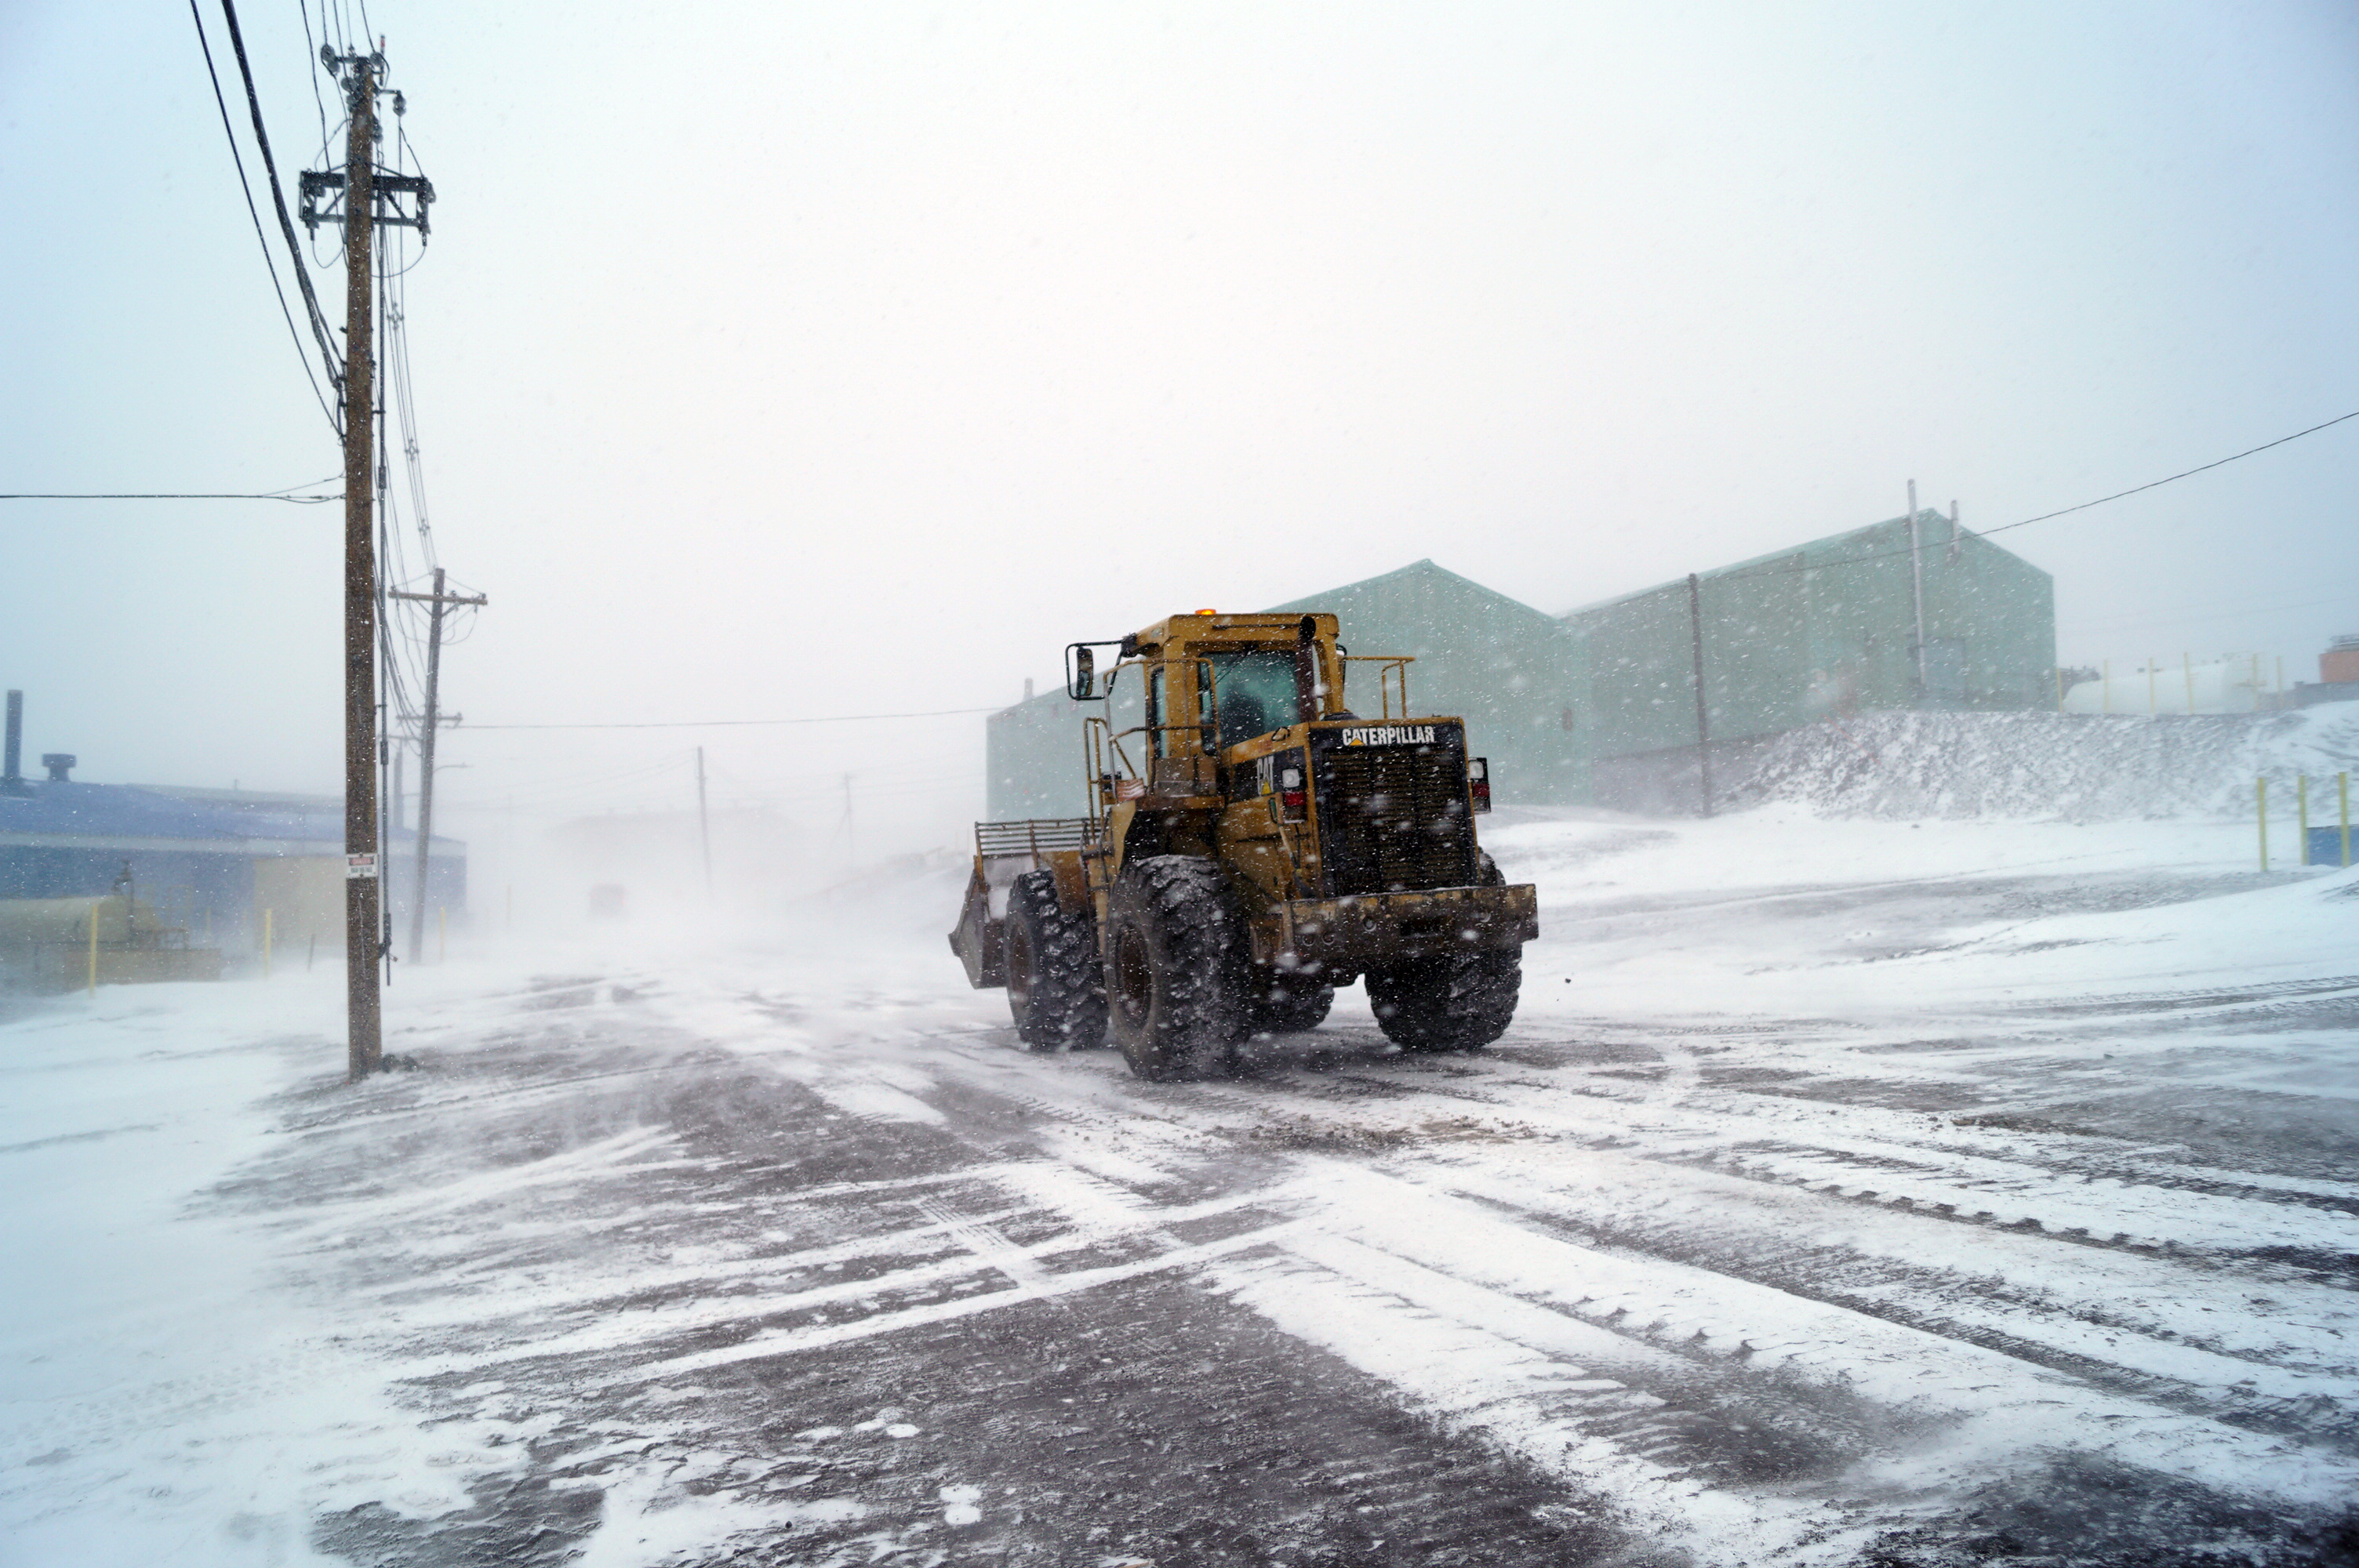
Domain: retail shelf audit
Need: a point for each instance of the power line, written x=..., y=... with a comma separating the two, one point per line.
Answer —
x=128, y=496
x=2264, y=447
x=246, y=186
x=278, y=195
x=2027, y=522
x=303, y=7
x=741, y=723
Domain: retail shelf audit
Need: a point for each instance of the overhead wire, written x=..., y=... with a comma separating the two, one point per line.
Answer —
x=311, y=53
x=278, y=197
x=2027, y=522
x=745, y=723
x=246, y=186
x=169, y=495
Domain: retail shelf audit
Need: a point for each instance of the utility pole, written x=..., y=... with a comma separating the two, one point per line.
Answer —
x=1916, y=576
x=435, y=601
x=1703, y=724
x=360, y=190
x=363, y=1001
x=703, y=826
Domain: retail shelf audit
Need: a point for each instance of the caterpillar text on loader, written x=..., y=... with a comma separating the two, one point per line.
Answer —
x=1252, y=844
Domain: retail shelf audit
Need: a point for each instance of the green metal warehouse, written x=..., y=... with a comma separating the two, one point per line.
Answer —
x=1806, y=634
x=1599, y=706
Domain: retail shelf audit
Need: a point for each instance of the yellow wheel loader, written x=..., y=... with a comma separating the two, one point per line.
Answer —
x=1251, y=845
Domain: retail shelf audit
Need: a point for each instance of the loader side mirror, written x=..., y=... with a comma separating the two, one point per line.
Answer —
x=1478, y=782
x=1081, y=673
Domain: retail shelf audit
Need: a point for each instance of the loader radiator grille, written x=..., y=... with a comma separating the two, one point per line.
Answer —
x=1393, y=818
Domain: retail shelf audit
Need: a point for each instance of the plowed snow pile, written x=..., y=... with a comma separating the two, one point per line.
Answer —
x=2055, y=767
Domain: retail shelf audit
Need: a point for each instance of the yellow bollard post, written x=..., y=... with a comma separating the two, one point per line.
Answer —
x=442, y=933
x=2301, y=796
x=2261, y=797
x=93, y=949
x=266, y=942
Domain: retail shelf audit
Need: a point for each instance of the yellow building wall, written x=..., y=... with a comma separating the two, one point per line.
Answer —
x=305, y=897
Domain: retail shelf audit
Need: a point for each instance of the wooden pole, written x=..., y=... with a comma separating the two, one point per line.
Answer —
x=704, y=827
x=1703, y=722
x=425, y=767
x=1917, y=575
x=363, y=1001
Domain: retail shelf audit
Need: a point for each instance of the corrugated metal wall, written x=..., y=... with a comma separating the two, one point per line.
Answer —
x=1032, y=759
x=1792, y=638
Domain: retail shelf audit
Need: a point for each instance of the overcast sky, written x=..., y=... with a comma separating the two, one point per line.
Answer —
x=786, y=360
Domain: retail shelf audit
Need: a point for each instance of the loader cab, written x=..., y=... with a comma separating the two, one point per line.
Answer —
x=1212, y=682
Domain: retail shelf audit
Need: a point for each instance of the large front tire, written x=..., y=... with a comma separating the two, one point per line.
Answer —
x=1055, y=989
x=1456, y=1002
x=1175, y=957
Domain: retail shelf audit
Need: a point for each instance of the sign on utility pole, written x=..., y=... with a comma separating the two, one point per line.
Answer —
x=360, y=189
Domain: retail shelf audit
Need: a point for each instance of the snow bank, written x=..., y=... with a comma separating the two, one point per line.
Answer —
x=163, y=1397
x=2052, y=767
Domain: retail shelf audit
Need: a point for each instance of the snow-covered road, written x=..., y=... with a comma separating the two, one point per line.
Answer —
x=1845, y=1193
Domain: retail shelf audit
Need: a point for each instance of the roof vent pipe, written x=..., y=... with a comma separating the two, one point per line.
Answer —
x=59, y=764
x=13, y=780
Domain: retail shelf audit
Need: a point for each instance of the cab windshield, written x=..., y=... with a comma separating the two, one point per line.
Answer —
x=1255, y=692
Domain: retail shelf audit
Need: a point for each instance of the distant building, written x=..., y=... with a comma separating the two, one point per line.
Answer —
x=1805, y=634
x=1599, y=706
x=209, y=861
x=2338, y=675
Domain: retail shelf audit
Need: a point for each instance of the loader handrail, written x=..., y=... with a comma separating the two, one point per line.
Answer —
x=1393, y=664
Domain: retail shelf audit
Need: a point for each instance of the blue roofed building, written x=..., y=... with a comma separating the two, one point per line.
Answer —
x=209, y=861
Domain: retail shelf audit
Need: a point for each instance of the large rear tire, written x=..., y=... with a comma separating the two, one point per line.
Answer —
x=1055, y=988
x=1174, y=946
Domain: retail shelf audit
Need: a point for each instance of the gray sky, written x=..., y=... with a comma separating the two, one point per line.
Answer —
x=778, y=361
